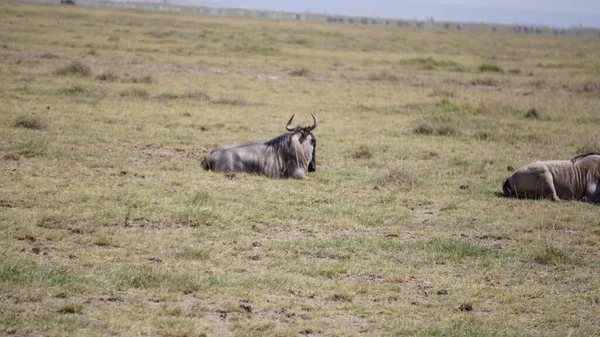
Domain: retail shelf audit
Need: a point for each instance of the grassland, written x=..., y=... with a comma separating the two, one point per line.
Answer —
x=109, y=226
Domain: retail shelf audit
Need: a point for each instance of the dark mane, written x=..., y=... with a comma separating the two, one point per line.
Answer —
x=576, y=159
x=279, y=141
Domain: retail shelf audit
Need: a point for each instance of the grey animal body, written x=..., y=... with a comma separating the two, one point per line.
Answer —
x=289, y=155
x=575, y=179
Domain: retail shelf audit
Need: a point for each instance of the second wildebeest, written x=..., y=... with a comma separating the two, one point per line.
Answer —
x=289, y=155
x=575, y=179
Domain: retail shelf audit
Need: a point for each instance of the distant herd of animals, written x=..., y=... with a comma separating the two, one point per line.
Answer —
x=293, y=154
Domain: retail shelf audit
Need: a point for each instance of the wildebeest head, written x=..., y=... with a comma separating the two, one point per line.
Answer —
x=307, y=140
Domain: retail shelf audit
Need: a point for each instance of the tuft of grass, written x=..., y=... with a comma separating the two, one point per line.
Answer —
x=450, y=248
x=75, y=68
x=70, y=308
x=193, y=254
x=588, y=86
x=548, y=254
x=30, y=121
x=256, y=49
x=103, y=242
x=400, y=177
x=49, y=56
x=533, y=113
x=234, y=101
x=439, y=127
x=147, y=79
x=429, y=63
x=108, y=76
x=166, y=96
x=51, y=222
x=196, y=94
x=363, y=152
x=487, y=67
x=197, y=210
x=73, y=90
x=424, y=128
x=32, y=148
x=136, y=277
x=134, y=92
x=11, y=156
x=27, y=272
x=383, y=76
x=300, y=72
x=489, y=82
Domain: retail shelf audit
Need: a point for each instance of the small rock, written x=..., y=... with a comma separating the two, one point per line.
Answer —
x=442, y=292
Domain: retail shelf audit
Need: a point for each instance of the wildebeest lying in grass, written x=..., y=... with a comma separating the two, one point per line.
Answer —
x=289, y=155
x=577, y=179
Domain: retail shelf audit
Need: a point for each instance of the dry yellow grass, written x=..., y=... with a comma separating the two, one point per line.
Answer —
x=109, y=226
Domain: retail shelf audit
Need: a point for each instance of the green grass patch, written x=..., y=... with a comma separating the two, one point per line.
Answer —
x=25, y=272
x=551, y=255
x=136, y=277
x=31, y=148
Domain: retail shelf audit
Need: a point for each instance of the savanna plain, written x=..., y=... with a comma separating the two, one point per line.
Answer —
x=109, y=225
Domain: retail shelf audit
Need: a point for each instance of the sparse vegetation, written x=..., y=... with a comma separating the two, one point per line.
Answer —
x=430, y=63
x=134, y=92
x=300, y=72
x=70, y=308
x=592, y=145
x=490, y=82
x=147, y=79
x=363, y=152
x=75, y=68
x=533, y=113
x=234, y=101
x=108, y=76
x=108, y=225
x=486, y=67
x=383, y=76
x=30, y=121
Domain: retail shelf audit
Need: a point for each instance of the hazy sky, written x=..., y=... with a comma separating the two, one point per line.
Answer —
x=546, y=12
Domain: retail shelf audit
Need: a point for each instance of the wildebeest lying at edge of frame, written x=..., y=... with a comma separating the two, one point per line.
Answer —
x=289, y=155
x=577, y=179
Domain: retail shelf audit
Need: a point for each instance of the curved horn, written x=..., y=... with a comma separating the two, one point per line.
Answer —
x=287, y=126
x=315, y=122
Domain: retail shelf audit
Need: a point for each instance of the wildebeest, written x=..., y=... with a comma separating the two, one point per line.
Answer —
x=575, y=179
x=289, y=155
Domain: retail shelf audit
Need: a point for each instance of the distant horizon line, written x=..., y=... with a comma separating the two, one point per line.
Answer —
x=593, y=17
